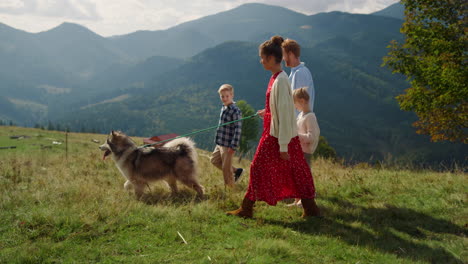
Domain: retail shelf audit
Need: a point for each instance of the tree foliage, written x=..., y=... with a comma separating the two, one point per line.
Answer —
x=324, y=149
x=434, y=58
x=250, y=128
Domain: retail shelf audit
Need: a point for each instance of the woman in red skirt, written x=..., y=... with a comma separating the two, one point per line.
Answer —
x=279, y=169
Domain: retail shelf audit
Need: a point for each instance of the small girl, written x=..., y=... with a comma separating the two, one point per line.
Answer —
x=307, y=128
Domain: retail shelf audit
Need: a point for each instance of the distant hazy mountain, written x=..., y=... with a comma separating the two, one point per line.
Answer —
x=77, y=50
x=396, y=11
x=22, y=63
x=49, y=68
x=243, y=23
x=248, y=22
x=69, y=50
x=61, y=57
x=179, y=44
x=122, y=79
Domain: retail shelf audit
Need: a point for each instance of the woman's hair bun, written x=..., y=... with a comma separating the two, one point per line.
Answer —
x=278, y=40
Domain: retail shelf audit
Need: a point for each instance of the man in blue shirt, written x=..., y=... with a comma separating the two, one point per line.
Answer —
x=300, y=76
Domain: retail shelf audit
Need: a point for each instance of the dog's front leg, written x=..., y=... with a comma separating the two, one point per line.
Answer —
x=192, y=183
x=128, y=185
x=139, y=188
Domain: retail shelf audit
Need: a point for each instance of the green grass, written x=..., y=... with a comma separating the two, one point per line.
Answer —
x=55, y=209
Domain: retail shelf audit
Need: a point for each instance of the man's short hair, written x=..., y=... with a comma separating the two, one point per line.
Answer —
x=290, y=45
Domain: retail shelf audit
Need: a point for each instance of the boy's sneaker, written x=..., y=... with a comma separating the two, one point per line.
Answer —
x=238, y=173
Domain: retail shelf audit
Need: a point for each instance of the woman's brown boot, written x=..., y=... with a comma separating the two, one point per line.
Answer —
x=310, y=208
x=246, y=209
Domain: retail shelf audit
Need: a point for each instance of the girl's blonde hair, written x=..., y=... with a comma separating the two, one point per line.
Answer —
x=301, y=93
x=226, y=87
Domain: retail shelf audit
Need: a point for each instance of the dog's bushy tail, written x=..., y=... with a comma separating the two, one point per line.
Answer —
x=186, y=146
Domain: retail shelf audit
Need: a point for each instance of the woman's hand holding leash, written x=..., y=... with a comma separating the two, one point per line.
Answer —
x=261, y=113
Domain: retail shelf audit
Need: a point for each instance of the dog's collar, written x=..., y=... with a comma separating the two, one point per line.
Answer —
x=125, y=153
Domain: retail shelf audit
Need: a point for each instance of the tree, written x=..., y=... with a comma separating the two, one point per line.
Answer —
x=324, y=149
x=433, y=58
x=249, y=128
x=50, y=126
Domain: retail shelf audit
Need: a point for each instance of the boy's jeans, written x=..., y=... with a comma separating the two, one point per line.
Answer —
x=223, y=161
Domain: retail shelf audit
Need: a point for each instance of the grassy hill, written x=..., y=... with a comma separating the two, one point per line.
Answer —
x=72, y=208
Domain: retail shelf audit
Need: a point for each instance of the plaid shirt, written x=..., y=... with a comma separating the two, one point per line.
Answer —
x=229, y=135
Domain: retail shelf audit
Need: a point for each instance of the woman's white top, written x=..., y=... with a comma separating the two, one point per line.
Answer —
x=283, y=118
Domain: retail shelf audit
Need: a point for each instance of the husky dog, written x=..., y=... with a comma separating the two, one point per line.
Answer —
x=176, y=160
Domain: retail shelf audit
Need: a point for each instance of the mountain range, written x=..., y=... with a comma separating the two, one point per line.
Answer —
x=156, y=82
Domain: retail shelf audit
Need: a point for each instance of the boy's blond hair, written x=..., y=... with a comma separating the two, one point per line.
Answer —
x=301, y=93
x=226, y=87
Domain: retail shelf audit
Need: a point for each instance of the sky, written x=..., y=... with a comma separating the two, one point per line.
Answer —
x=118, y=17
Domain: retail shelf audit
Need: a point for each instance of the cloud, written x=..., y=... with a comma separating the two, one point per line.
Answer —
x=70, y=9
x=358, y=6
x=317, y=6
x=11, y=4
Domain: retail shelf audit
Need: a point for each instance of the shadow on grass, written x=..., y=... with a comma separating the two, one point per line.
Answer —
x=183, y=197
x=400, y=231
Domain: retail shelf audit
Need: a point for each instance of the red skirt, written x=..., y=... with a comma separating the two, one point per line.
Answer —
x=273, y=179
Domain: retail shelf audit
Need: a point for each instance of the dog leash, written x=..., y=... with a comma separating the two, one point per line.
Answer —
x=198, y=131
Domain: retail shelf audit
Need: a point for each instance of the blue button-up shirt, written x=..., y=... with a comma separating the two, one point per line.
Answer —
x=299, y=77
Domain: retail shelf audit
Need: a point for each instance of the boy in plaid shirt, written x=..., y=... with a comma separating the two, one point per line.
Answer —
x=228, y=136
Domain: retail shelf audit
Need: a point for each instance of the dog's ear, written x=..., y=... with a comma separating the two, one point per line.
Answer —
x=113, y=133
